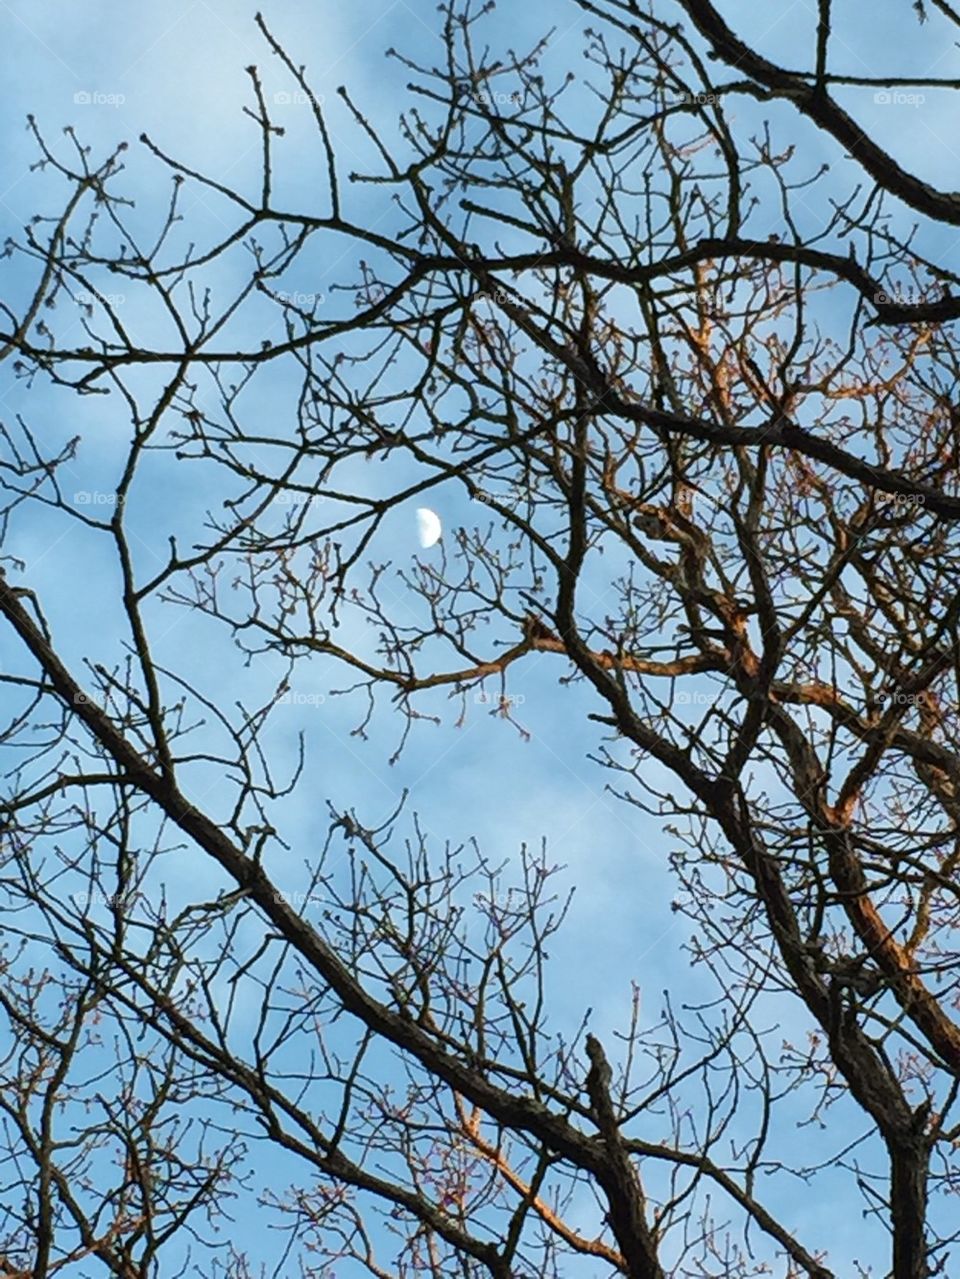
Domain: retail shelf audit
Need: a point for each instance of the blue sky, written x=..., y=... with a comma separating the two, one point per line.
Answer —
x=176, y=72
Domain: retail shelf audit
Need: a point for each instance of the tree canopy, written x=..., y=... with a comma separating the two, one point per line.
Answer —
x=670, y=343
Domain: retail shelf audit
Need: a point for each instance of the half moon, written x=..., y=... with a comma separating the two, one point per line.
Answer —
x=429, y=528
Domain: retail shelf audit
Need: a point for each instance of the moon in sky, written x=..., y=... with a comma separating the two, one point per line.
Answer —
x=429, y=528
